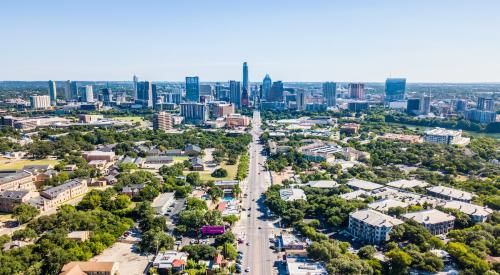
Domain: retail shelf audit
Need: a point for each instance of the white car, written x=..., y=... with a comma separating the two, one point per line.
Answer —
x=247, y=269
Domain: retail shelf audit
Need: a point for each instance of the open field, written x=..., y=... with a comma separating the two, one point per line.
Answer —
x=205, y=175
x=14, y=164
x=178, y=159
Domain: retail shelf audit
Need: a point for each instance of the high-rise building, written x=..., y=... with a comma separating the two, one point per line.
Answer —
x=173, y=96
x=67, y=90
x=425, y=105
x=145, y=94
x=266, y=87
x=74, y=91
x=485, y=104
x=87, y=94
x=135, y=80
x=52, y=92
x=162, y=121
x=300, y=99
x=245, y=94
x=192, y=89
x=154, y=93
x=40, y=101
x=395, y=89
x=276, y=93
x=205, y=90
x=461, y=105
x=107, y=96
x=221, y=92
x=194, y=112
x=413, y=106
x=330, y=93
x=480, y=116
x=357, y=90
x=235, y=93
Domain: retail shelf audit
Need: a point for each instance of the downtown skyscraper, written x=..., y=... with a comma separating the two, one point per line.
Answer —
x=192, y=89
x=395, y=89
x=246, y=87
x=235, y=93
x=145, y=94
x=266, y=87
x=135, y=79
x=52, y=92
x=357, y=90
x=330, y=93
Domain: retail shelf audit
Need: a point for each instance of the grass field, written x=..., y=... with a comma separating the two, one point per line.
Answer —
x=470, y=133
x=11, y=164
x=205, y=175
x=178, y=159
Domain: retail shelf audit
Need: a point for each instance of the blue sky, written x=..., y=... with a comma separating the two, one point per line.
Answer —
x=424, y=40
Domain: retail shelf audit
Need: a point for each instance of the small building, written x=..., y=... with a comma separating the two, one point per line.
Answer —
x=156, y=162
x=99, y=155
x=435, y=221
x=173, y=152
x=290, y=242
x=90, y=268
x=358, y=184
x=449, y=193
x=325, y=184
x=196, y=164
x=292, y=194
x=133, y=190
x=371, y=226
x=17, y=181
x=161, y=203
x=192, y=150
x=350, y=128
x=226, y=185
x=79, y=236
x=170, y=260
x=304, y=266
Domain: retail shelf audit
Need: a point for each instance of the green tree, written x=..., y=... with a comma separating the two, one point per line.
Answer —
x=24, y=213
x=219, y=173
x=398, y=261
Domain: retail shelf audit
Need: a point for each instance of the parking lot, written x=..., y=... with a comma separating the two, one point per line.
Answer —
x=130, y=262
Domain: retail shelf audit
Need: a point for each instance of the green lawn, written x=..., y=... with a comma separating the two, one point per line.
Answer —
x=178, y=159
x=11, y=164
x=205, y=175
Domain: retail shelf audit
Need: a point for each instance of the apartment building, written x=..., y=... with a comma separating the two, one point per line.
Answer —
x=371, y=226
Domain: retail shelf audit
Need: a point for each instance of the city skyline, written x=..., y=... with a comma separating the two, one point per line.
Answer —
x=449, y=41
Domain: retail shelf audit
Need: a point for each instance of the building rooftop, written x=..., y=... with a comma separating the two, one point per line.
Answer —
x=375, y=218
x=55, y=191
x=402, y=183
x=384, y=205
x=13, y=176
x=304, y=266
x=291, y=194
x=168, y=259
x=363, y=184
x=443, y=132
x=323, y=184
x=430, y=216
x=354, y=194
x=13, y=194
x=451, y=192
x=88, y=267
x=468, y=208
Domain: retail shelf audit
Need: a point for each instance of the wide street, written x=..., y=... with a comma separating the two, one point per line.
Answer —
x=252, y=227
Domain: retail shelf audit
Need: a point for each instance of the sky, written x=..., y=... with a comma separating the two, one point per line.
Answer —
x=291, y=40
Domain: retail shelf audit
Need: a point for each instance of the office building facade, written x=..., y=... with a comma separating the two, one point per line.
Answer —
x=194, y=113
x=245, y=91
x=395, y=89
x=52, y=92
x=74, y=91
x=40, y=101
x=235, y=93
x=330, y=93
x=276, y=92
x=67, y=90
x=107, y=96
x=192, y=89
x=266, y=87
x=87, y=93
x=145, y=94
x=485, y=104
